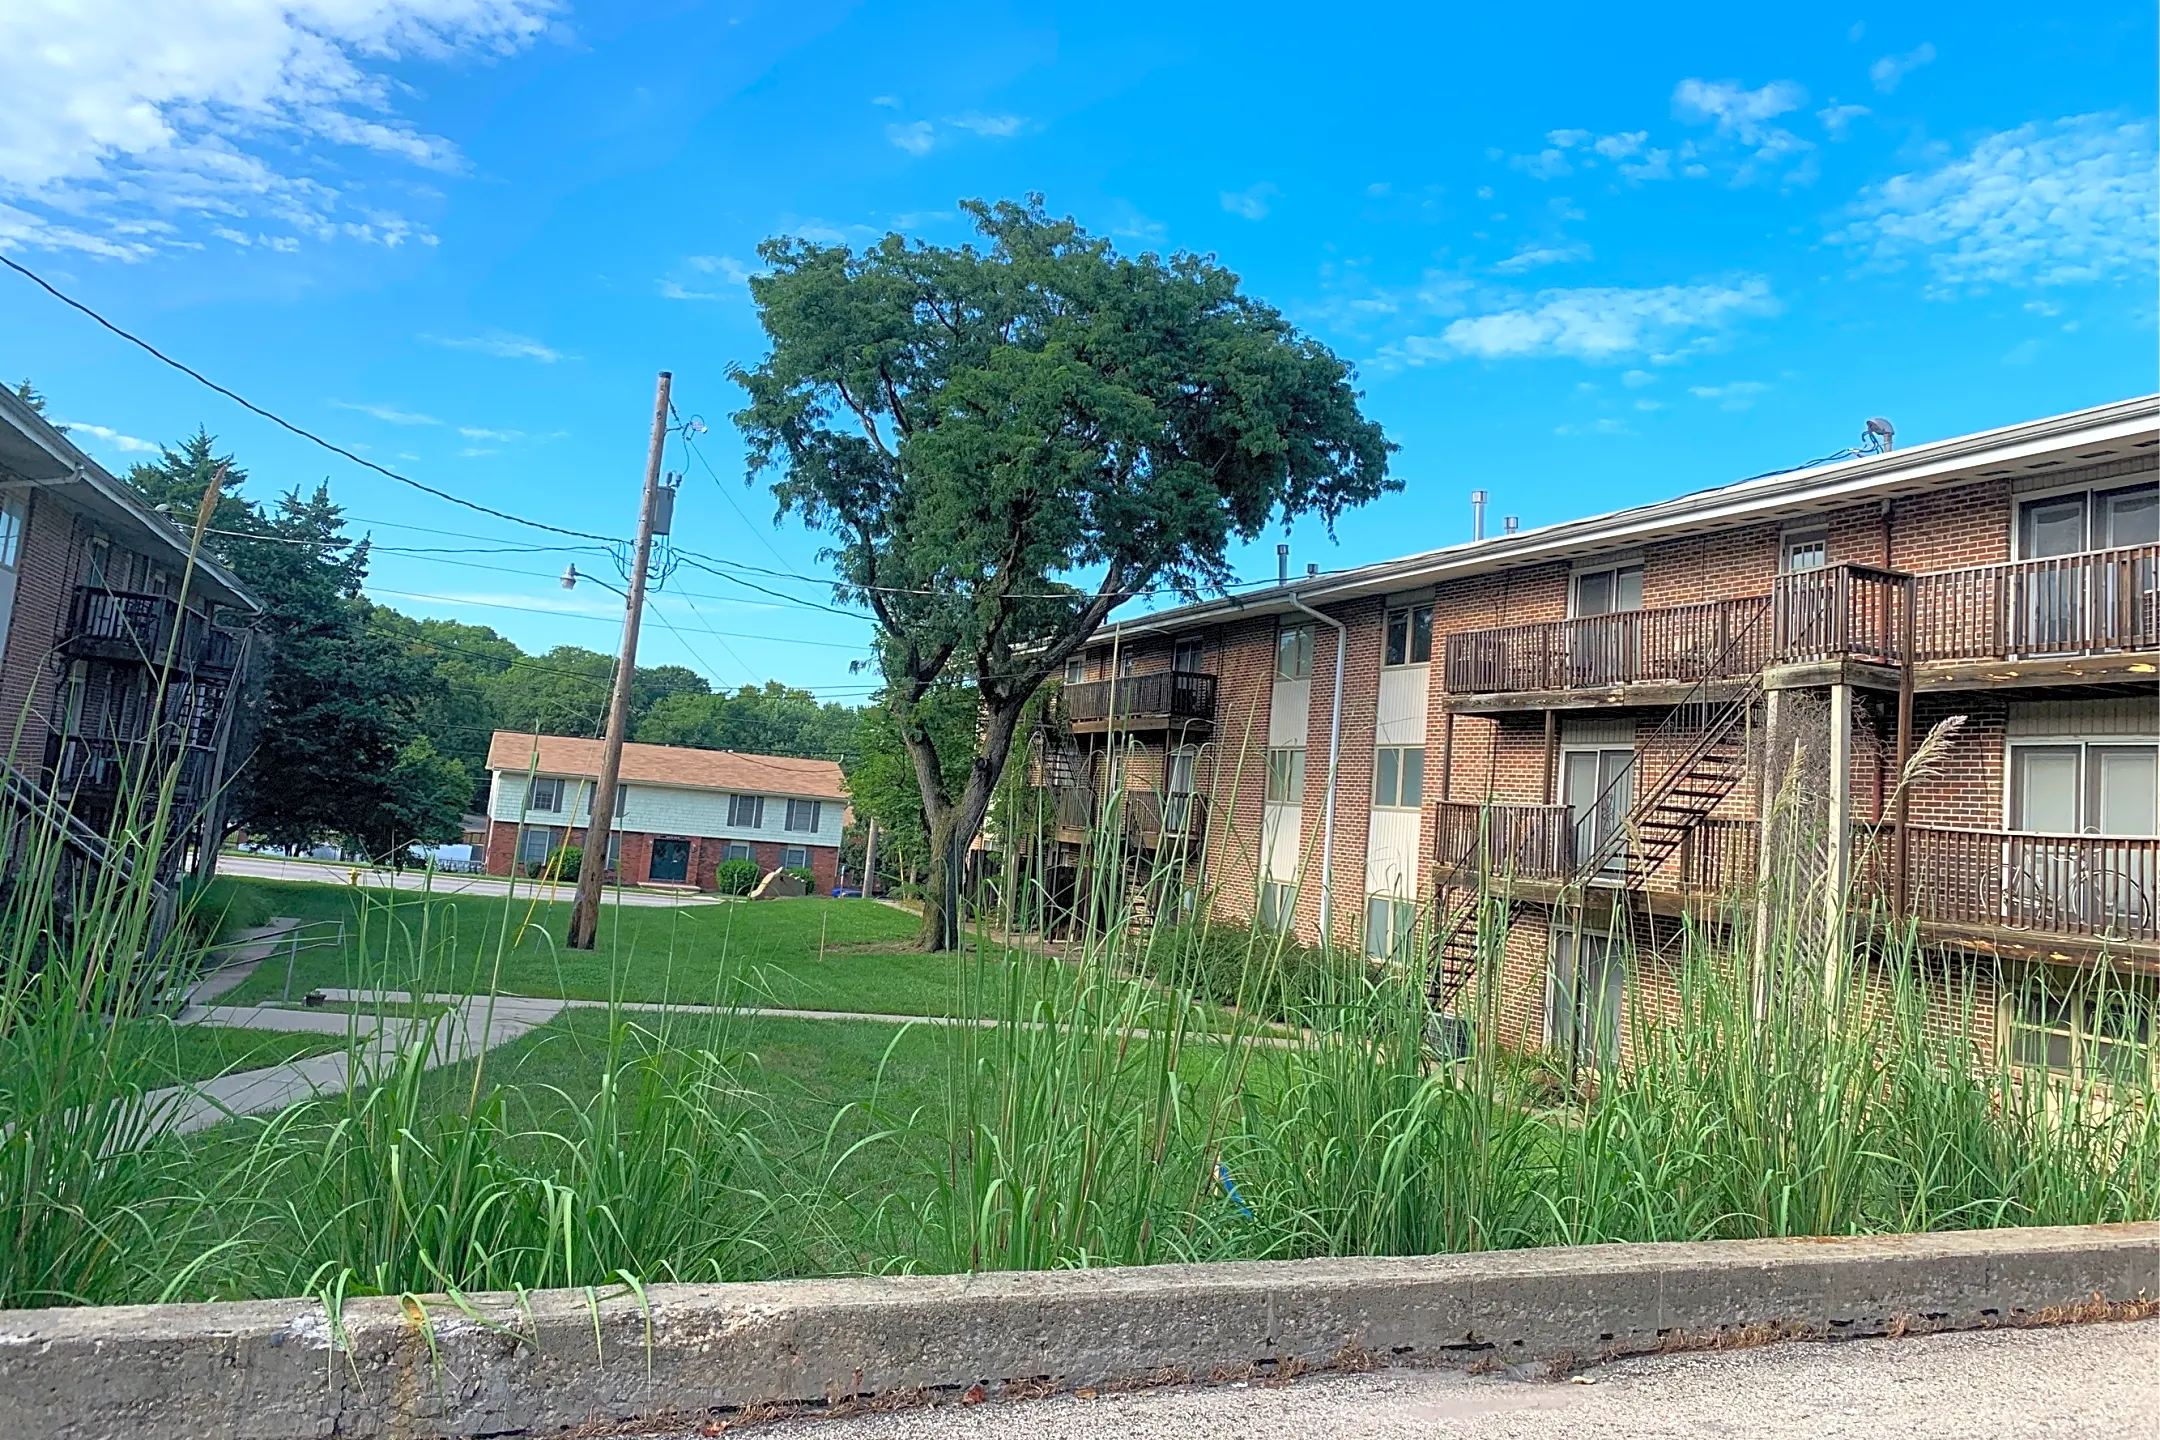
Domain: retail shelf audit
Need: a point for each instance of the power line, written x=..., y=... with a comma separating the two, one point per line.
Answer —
x=603, y=619
x=244, y=403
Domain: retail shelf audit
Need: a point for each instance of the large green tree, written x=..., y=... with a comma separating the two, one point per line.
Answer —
x=335, y=754
x=768, y=719
x=1006, y=442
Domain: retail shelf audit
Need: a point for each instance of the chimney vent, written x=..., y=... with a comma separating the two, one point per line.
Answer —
x=1510, y=525
x=1282, y=564
x=1477, y=514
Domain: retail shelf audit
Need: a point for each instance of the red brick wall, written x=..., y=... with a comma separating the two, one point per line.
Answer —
x=1234, y=778
x=45, y=583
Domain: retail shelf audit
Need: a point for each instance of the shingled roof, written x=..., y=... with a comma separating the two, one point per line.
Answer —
x=670, y=765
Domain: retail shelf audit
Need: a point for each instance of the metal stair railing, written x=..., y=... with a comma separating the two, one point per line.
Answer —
x=1697, y=713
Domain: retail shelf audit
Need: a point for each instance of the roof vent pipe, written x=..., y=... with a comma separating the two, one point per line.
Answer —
x=1312, y=569
x=1477, y=514
x=1510, y=525
x=1282, y=564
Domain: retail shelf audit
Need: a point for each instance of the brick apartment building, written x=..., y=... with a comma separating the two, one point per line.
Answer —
x=117, y=666
x=1595, y=711
x=679, y=811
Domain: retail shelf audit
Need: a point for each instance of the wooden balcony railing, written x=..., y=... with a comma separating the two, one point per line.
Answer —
x=2094, y=887
x=1153, y=820
x=1164, y=696
x=1852, y=612
x=102, y=766
x=1523, y=842
x=1679, y=643
x=150, y=630
x=2107, y=601
x=2069, y=605
x=1716, y=856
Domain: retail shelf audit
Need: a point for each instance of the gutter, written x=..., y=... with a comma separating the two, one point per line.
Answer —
x=1334, y=756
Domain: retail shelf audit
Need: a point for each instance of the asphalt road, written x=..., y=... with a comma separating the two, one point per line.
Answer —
x=2089, y=1380
x=321, y=872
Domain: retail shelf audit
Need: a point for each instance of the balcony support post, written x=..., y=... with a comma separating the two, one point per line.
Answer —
x=1901, y=811
x=1767, y=786
x=1837, y=880
x=1552, y=753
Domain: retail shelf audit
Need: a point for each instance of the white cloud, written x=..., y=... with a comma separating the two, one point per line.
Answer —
x=1741, y=118
x=475, y=432
x=727, y=267
x=917, y=137
x=1252, y=204
x=1606, y=426
x=501, y=346
x=1636, y=379
x=1735, y=395
x=2067, y=202
x=890, y=102
x=1837, y=119
x=1888, y=71
x=993, y=127
x=125, y=122
x=389, y=415
x=1598, y=323
x=730, y=272
x=1545, y=165
x=1536, y=257
x=125, y=444
x=1484, y=192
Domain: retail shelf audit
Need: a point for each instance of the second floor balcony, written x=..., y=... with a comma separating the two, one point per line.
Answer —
x=2039, y=614
x=150, y=630
x=1168, y=699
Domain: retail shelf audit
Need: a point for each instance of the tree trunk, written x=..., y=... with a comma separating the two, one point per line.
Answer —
x=943, y=914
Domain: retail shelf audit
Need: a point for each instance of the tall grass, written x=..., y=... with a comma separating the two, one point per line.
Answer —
x=1199, y=1090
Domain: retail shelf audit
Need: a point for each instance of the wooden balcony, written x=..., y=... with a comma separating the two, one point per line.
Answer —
x=2092, y=616
x=1168, y=699
x=1146, y=819
x=148, y=630
x=1502, y=843
x=2030, y=894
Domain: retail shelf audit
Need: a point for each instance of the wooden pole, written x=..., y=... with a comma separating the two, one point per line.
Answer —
x=585, y=914
x=869, y=862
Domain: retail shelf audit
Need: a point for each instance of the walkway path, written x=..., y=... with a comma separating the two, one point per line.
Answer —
x=320, y=872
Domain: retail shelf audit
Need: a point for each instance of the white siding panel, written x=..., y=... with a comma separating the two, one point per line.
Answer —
x=1289, y=711
x=2135, y=715
x=669, y=810
x=1391, y=854
x=1401, y=717
x=1281, y=830
x=1597, y=730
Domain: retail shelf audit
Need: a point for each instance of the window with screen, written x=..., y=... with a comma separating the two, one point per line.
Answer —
x=2096, y=1029
x=1293, y=652
x=1809, y=550
x=795, y=857
x=1409, y=635
x=1608, y=592
x=746, y=812
x=1286, y=777
x=547, y=795
x=802, y=814
x=1399, y=777
x=535, y=845
x=1188, y=656
x=736, y=850
x=2082, y=520
x=1390, y=922
x=1277, y=901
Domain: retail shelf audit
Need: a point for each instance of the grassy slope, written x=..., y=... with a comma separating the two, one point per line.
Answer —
x=812, y=954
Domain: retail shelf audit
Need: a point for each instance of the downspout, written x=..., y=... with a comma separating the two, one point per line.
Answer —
x=1334, y=755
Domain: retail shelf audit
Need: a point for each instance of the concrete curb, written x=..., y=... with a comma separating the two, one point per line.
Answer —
x=268, y=1370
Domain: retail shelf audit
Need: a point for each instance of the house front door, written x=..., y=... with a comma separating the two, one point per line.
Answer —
x=670, y=862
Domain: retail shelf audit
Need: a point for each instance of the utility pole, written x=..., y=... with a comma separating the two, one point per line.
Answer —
x=869, y=863
x=585, y=914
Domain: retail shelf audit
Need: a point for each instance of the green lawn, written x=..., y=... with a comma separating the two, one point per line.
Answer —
x=808, y=954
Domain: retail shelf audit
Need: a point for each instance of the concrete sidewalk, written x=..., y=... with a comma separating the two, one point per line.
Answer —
x=2079, y=1380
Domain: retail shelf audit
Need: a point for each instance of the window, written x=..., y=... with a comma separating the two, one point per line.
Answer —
x=622, y=801
x=746, y=812
x=1607, y=592
x=1188, y=655
x=1127, y=663
x=1399, y=777
x=1596, y=787
x=795, y=857
x=2093, y=1029
x=2085, y=788
x=546, y=795
x=1583, y=992
x=802, y=814
x=1286, y=777
x=2088, y=520
x=100, y=562
x=1806, y=551
x=11, y=519
x=1277, y=902
x=1390, y=923
x=614, y=852
x=1409, y=635
x=1293, y=652
x=1075, y=669
x=535, y=845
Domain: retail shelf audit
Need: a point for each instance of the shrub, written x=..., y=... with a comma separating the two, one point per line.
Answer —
x=805, y=874
x=1256, y=970
x=562, y=864
x=737, y=877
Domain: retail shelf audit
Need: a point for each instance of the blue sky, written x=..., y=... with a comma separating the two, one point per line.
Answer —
x=1581, y=258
